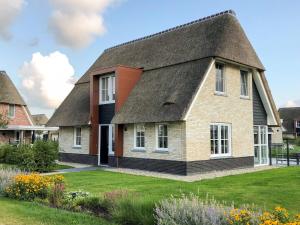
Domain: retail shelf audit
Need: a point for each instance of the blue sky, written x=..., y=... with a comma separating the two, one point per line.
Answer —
x=273, y=28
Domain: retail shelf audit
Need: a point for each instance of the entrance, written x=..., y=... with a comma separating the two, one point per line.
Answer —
x=106, y=143
x=261, y=156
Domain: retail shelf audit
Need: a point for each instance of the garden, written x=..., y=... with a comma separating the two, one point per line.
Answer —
x=101, y=197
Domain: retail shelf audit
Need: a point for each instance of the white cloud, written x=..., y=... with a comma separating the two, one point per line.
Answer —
x=47, y=80
x=75, y=23
x=9, y=10
x=292, y=103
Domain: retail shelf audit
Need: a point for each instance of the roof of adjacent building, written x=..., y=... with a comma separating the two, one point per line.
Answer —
x=40, y=119
x=8, y=91
x=174, y=62
x=289, y=115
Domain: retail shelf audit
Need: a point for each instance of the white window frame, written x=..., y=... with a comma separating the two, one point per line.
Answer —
x=14, y=111
x=220, y=154
x=224, y=79
x=75, y=137
x=260, y=145
x=135, y=136
x=297, y=123
x=241, y=84
x=111, y=89
x=157, y=137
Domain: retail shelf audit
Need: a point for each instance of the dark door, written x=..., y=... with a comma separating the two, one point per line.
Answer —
x=104, y=144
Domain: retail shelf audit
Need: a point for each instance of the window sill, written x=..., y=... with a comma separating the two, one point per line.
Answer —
x=220, y=94
x=76, y=147
x=163, y=151
x=245, y=97
x=221, y=157
x=138, y=150
x=105, y=103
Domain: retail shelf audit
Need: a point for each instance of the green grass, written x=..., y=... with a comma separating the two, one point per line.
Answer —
x=265, y=189
x=23, y=213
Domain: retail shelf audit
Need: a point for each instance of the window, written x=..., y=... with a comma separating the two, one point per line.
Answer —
x=220, y=82
x=107, y=89
x=77, y=136
x=139, y=136
x=244, y=84
x=162, y=136
x=220, y=139
x=297, y=123
x=261, y=145
x=11, y=111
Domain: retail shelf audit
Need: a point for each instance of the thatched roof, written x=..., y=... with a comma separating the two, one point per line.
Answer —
x=75, y=109
x=8, y=91
x=289, y=115
x=40, y=119
x=166, y=58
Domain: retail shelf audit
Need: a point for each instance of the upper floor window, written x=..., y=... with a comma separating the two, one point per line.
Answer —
x=11, y=111
x=244, y=84
x=220, y=139
x=77, y=137
x=297, y=123
x=107, y=89
x=139, y=136
x=162, y=136
x=220, y=81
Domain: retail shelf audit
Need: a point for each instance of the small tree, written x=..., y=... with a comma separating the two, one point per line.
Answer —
x=3, y=120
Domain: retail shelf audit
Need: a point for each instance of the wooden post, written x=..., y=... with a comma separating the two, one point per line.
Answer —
x=288, y=152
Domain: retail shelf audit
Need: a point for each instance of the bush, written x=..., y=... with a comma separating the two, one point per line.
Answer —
x=57, y=192
x=31, y=186
x=10, y=154
x=7, y=177
x=3, y=150
x=93, y=205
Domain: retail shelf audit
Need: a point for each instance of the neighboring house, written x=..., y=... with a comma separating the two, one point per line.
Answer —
x=42, y=120
x=21, y=126
x=190, y=99
x=290, y=117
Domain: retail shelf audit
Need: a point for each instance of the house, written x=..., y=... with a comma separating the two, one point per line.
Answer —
x=42, y=120
x=190, y=99
x=21, y=127
x=290, y=117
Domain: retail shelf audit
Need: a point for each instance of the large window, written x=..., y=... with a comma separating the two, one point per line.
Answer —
x=261, y=145
x=162, y=136
x=220, y=139
x=297, y=123
x=77, y=137
x=11, y=111
x=107, y=89
x=220, y=81
x=139, y=136
x=244, y=84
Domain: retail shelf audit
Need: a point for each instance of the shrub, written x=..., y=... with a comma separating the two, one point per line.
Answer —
x=110, y=198
x=31, y=186
x=92, y=204
x=11, y=154
x=3, y=150
x=57, y=192
x=7, y=177
x=45, y=154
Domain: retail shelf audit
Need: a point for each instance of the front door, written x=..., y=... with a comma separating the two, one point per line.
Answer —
x=261, y=156
x=106, y=142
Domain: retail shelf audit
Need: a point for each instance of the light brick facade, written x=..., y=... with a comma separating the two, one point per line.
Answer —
x=277, y=135
x=66, y=140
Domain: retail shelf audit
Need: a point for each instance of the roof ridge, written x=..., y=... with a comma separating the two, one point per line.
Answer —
x=230, y=12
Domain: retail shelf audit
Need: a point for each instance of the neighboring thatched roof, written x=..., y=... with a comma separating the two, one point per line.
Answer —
x=289, y=115
x=218, y=35
x=8, y=91
x=40, y=119
x=164, y=93
x=75, y=109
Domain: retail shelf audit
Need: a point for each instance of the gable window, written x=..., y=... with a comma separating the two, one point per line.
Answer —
x=220, y=81
x=139, y=136
x=297, y=123
x=162, y=137
x=11, y=111
x=77, y=136
x=244, y=84
x=220, y=139
x=107, y=89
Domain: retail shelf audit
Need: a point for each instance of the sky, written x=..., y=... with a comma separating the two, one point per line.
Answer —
x=46, y=45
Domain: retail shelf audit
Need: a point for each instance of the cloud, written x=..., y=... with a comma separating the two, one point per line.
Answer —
x=47, y=80
x=75, y=23
x=9, y=10
x=292, y=103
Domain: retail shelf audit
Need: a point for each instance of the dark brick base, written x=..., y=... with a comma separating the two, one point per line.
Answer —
x=181, y=167
x=78, y=158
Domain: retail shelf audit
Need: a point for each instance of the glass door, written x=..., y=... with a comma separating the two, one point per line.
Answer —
x=261, y=156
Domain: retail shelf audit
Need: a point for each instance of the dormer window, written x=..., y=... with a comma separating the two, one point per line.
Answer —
x=107, y=89
x=220, y=81
x=11, y=111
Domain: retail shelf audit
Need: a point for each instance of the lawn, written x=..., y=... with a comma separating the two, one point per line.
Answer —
x=265, y=189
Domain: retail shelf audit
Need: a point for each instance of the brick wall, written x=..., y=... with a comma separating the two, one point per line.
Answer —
x=21, y=118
